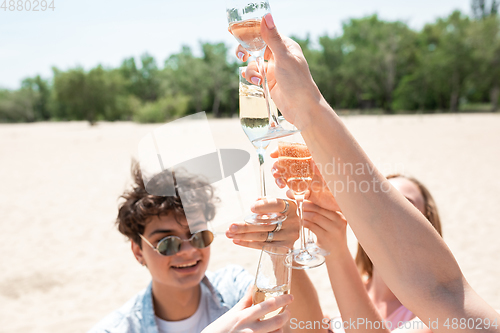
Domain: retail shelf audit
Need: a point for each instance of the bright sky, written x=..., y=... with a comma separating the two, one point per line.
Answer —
x=92, y=32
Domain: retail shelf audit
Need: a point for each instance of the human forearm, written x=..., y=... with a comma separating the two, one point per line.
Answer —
x=305, y=307
x=350, y=293
x=390, y=229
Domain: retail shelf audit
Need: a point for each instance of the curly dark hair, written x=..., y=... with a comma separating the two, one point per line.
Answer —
x=135, y=212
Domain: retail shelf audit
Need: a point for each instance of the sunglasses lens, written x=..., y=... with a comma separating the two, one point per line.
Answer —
x=169, y=246
x=202, y=239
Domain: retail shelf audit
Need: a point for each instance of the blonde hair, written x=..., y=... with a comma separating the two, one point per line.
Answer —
x=365, y=265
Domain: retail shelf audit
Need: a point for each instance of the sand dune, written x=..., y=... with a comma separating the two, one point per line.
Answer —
x=64, y=266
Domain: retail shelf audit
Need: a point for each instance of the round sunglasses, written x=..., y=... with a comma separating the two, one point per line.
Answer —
x=171, y=245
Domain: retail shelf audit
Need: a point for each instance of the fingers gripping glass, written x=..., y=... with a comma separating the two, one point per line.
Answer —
x=171, y=245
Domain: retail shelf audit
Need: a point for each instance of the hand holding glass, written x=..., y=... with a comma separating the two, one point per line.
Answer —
x=244, y=18
x=274, y=275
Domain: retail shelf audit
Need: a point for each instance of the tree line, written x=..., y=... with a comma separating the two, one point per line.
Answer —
x=373, y=64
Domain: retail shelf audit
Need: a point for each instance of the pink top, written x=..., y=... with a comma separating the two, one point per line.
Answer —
x=400, y=316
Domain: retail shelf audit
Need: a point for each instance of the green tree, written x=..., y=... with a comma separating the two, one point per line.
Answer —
x=328, y=72
x=29, y=103
x=16, y=106
x=454, y=53
x=444, y=63
x=375, y=56
x=322, y=69
x=188, y=75
x=38, y=92
x=485, y=39
x=221, y=75
x=143, y=82
x=87, y=96
x=372, y=64
x=165, y=108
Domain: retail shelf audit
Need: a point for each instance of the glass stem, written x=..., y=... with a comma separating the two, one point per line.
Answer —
x=310, y=239
x=261, y=153
x=273, y=113
x=299, y=198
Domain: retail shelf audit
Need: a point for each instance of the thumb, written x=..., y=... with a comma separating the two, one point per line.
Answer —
x=271, y=36
x=246, y=301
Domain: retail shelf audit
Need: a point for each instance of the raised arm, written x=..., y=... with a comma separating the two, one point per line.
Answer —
x=390, y=229
x=352, y=299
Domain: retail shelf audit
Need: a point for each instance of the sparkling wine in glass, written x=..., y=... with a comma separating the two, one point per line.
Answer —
x=295, y=160
x=254, y=121
x=244, y=18
x=274, y=275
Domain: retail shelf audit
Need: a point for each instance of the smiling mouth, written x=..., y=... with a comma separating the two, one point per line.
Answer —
x=187, y=265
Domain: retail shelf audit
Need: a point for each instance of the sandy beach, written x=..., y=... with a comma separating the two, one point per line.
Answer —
x=64, y=265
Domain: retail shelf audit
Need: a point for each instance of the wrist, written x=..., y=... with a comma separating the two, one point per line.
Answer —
x=314, y=108
x=339, y=252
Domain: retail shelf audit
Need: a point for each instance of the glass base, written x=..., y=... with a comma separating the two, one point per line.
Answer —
x=305, y=260
x=276, y=133
x=265, y=219
x=313, y=248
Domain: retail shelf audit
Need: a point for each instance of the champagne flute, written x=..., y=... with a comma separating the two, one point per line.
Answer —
x=244, y=18
x=312, y=247
x=274, y=275
x=296, y=162
x=254, y=120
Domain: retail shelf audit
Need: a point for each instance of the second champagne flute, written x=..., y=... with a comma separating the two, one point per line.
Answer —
x=295, y=160
x=253, y=118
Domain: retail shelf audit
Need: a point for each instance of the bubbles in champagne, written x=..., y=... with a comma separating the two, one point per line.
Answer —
x=254, y=116
x=247, y=33
x=262, y=294
x=296, y=163
x=251, y=90
x=253, y=111
x=294, y=150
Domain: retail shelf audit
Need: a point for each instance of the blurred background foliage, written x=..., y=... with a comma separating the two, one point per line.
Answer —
x=374, y=66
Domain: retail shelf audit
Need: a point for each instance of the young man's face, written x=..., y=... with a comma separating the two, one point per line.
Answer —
x=186, y=268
